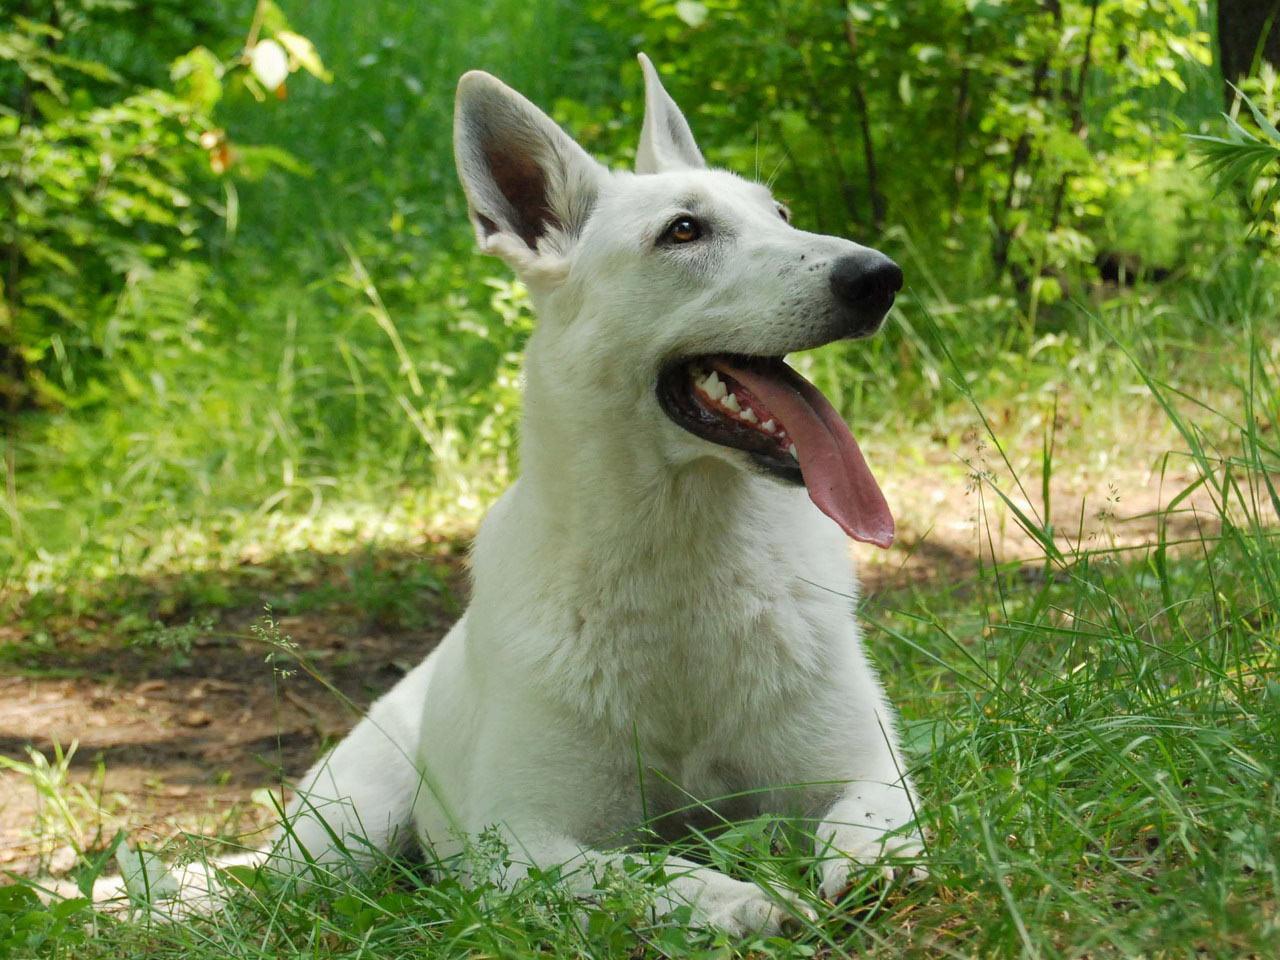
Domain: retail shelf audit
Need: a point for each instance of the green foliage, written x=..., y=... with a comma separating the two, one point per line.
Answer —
x=92, y=201
x=1005, y=128
x=30, y=928
x=103, y=185
x=1248, y=159
x=304, y=365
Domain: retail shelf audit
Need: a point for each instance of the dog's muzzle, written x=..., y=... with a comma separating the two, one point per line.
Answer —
x=865, y=284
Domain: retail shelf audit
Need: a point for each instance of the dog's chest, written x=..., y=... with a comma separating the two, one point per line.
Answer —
x=689, y=670
x=702, y=698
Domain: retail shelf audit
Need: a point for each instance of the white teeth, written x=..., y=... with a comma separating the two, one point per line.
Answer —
x=769, y=427
x=792, y=450
x=748, y=416
x=730, y=402
x=715, y=389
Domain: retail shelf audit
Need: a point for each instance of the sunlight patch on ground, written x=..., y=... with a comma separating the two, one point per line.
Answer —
x=238, y=539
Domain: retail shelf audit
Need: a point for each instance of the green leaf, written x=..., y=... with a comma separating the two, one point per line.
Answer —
x=691, y=12
x=1265, y=125
x=271, y=17
x=303, y=53
x=63, y=909
x=90, y=68
x=197, y=77
x=243, y=875
x=27, y=25
x=50, y=107
x=1239, y=134
x=252, y=162
x=18, y=898
x=40, y=252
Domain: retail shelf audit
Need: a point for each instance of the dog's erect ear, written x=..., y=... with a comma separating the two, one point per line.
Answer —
x=529, y=186
x=666, y=142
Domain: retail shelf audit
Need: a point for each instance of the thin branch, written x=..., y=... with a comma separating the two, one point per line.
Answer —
x=1021, y=154
x=1077, y=113
x=878, y=206
x=963, y=105
x=821, y=121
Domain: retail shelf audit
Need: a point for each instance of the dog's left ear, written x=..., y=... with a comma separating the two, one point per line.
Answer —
x=530, y=188
x=666, y=142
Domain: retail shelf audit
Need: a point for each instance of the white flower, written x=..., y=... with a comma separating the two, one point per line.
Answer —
x=269, y=63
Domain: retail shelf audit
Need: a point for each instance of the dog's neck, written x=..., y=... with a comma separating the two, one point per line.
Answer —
x=604, y=479
x=610, y=507
x=652, y=570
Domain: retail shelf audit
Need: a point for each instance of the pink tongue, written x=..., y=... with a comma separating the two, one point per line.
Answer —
x=835, y=473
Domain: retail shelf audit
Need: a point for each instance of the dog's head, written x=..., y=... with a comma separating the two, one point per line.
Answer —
x=669, y=296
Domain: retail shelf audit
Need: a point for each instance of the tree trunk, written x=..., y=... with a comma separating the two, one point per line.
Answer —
x=1247, y=30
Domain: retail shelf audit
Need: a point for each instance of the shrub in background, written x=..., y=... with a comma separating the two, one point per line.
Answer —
x=108, y=183
x=1000, y=132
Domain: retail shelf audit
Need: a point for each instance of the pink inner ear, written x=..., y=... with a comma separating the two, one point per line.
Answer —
x=524, y=185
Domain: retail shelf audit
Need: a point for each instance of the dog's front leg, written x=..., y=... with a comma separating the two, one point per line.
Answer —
x=358, y=800
x=716, y=900
x=871, y=820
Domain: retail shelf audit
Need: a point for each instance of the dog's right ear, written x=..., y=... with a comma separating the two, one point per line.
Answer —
x=529, y=186
x=666, y=142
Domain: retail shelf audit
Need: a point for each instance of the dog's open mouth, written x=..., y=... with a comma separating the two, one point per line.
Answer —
x=762, y=406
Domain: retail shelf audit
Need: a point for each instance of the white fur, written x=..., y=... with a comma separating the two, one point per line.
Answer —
x=643, y=599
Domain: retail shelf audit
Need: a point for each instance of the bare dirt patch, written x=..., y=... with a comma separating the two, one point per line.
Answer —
x=168, y=743
x=951, y=518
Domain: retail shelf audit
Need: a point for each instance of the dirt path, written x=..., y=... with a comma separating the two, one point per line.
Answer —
x=168, y=744
x=179, y=742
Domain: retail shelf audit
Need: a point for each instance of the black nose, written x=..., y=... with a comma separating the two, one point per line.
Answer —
x=864, y=284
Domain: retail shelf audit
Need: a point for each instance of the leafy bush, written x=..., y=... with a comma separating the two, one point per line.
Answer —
x=1004, y=129
x=1250, y=158
x=104, y=183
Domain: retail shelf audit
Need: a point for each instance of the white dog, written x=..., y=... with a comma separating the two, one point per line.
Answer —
x=663, y=603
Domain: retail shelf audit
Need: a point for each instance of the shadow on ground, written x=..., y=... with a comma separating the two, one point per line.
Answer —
x=184, y=694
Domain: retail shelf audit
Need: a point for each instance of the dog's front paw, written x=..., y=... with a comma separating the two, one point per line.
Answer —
x=887, y=861
x=746, y=910
x=870, y=829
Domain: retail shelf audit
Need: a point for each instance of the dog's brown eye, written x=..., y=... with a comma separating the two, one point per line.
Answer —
x=784, y=212
x=684, y=230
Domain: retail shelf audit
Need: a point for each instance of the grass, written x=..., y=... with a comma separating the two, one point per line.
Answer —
x=1095, y=731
